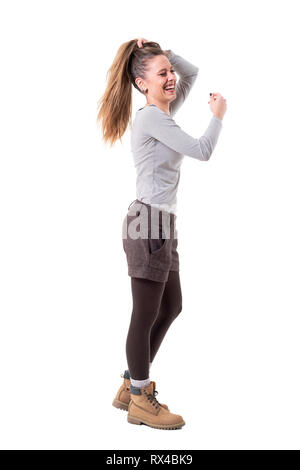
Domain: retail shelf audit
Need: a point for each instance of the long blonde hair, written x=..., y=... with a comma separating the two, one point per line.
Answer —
x=115, y=105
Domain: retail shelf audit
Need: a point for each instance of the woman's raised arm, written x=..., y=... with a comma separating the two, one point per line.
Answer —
x=187, y=75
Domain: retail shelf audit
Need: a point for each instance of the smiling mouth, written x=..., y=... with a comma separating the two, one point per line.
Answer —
x=170, y=89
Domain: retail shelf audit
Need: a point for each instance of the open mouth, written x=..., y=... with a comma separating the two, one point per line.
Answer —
x=170, y=89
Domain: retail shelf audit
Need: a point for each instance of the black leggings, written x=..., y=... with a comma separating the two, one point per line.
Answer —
x=155, y=306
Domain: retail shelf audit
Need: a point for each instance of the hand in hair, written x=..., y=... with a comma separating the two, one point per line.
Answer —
x=140, y=41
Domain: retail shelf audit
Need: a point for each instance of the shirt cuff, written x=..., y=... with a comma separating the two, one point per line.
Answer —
x=217, y=119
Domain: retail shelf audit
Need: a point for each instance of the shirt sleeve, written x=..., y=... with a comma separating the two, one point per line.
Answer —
x=187, y=75
x=161, y=126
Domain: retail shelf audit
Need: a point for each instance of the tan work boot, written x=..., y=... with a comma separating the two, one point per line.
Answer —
x=122, y=397
x=145, y=409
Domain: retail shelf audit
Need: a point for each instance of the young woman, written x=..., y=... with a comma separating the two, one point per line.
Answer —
x=149, y=231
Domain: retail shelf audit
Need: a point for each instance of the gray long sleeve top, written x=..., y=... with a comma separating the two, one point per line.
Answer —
x=158, y=144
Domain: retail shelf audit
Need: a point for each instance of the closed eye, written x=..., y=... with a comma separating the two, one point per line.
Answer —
x=164, y=73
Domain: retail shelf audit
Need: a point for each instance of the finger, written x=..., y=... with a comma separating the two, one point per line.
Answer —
x=141, y=41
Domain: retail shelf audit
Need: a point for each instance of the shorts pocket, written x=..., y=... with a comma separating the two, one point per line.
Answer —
x=156, y=245
x=160, y=253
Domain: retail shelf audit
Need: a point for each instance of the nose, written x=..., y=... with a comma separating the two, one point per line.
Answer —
x=171, y=77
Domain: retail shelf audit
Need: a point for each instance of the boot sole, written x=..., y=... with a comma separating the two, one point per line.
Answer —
x=133, y=420
x=120, y=405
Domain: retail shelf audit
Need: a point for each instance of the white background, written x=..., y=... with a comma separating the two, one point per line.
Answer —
x=230, y=362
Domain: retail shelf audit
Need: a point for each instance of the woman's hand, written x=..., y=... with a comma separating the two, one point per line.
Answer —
x=140, y=41
x=218, y=105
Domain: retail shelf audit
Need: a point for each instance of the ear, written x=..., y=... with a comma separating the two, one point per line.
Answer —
x=139, y=83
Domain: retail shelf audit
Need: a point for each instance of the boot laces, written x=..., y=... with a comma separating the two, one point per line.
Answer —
x=155, y=392
x=152, y=399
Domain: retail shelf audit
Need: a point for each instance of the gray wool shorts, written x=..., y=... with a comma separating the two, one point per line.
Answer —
x=149, y=236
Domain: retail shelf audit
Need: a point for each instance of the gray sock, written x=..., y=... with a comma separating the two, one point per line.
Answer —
x=140, y=383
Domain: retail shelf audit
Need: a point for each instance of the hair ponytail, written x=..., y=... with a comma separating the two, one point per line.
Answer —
x=115, y=105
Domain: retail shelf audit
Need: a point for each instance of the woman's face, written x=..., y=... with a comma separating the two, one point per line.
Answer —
x=159, y=76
